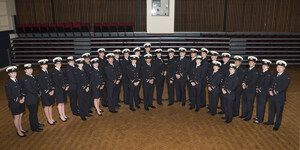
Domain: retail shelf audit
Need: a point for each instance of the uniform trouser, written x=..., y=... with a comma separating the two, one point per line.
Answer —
x=159, y=82
x=126, y=90
x=213, y=100
x=203, y=95
x=222, y=99
x=148, y=94
x=236, y=103
x=139, y=88
x=117, y=93
x=111, y=98
x=247, y=103
x=196, y=96
x=275, y=108
x=229, y=98
x=261, y=105
x=33, y=117
x=73, y=101
x=84, y=102
x=189, y=90
x=171, y=91
x=103, y=96
x=180, y=89
x=133, y=94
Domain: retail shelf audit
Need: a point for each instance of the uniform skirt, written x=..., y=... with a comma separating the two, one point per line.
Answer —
x=17, y=109
x=47, y=100
x=95, y=92
x=60, y=95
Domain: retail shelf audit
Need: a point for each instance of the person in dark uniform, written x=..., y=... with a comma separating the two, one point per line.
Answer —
x=72, y=83
x=117, y=65
x=47, y=90
x=159, y=69
x=113, y=79
x=102, y=63
x=197, y=77
x=14, y=92
x=204, y=64
x=213, y=57
x=277, y=91
x=240, y=73
x=170, y=75
x=228, y=89
x=262, y=90
x=224, y=70
x=32, y=96
x=249, y=87
x=87, y=67
x=61, y=88
x=183, y=67
x=139, y=62
x=148, y=81
x=83, y=89
x=214, y=84
x=124, y=63
x=147, y=50
x=192, y=65
x=134, y=78
x=97, y=84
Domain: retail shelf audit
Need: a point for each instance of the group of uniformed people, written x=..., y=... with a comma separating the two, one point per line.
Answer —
x=89, y=81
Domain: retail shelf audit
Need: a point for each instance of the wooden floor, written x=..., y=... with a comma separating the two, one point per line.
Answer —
x=166, y=127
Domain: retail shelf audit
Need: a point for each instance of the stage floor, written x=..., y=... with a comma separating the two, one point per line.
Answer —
x=166, y=127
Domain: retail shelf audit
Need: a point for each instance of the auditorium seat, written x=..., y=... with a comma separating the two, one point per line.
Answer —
x=52, y=27
x=121, y=27
x=129, y=27
x=97, y=27
x=76, y=27
x=85, y=27
x=68, y=27
x=28, y=28
x=60, y=27
x=105, y=27
x=44, y=28
x=113, y=27
x=36, y=28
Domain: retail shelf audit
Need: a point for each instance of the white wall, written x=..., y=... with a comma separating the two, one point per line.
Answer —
x=160, y=24
x=7, y=10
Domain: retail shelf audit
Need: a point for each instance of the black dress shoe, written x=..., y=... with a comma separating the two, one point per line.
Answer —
x=235, y=115
x=89, y=115
x=227, y=121
x=138, y=107
x=197, y=109
x=224, y=118
x=90, y=111
x=118, y=105
x=50, y=123
x=83, y=118
x=132, y=109
x=213, y=114
x=221, y=112
x=101, y=110
x=255, y=118
x=202, y=106
x=191, y=108
x=152, y=106
x=67, y=118
x=55, y=121
x=246, y=119
x=41, y=125
x=256, y=122
x=105, y=105
x=146, y=108
x=37, y=130
x=100, y=115
x=160, y=104
x=113, y=111
x=268, y=123
x=242, y=117
x=183, y=104
x=21, y=135
x=170, y=104
x=63, y=120
x=25, y=131
x=276, y=128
